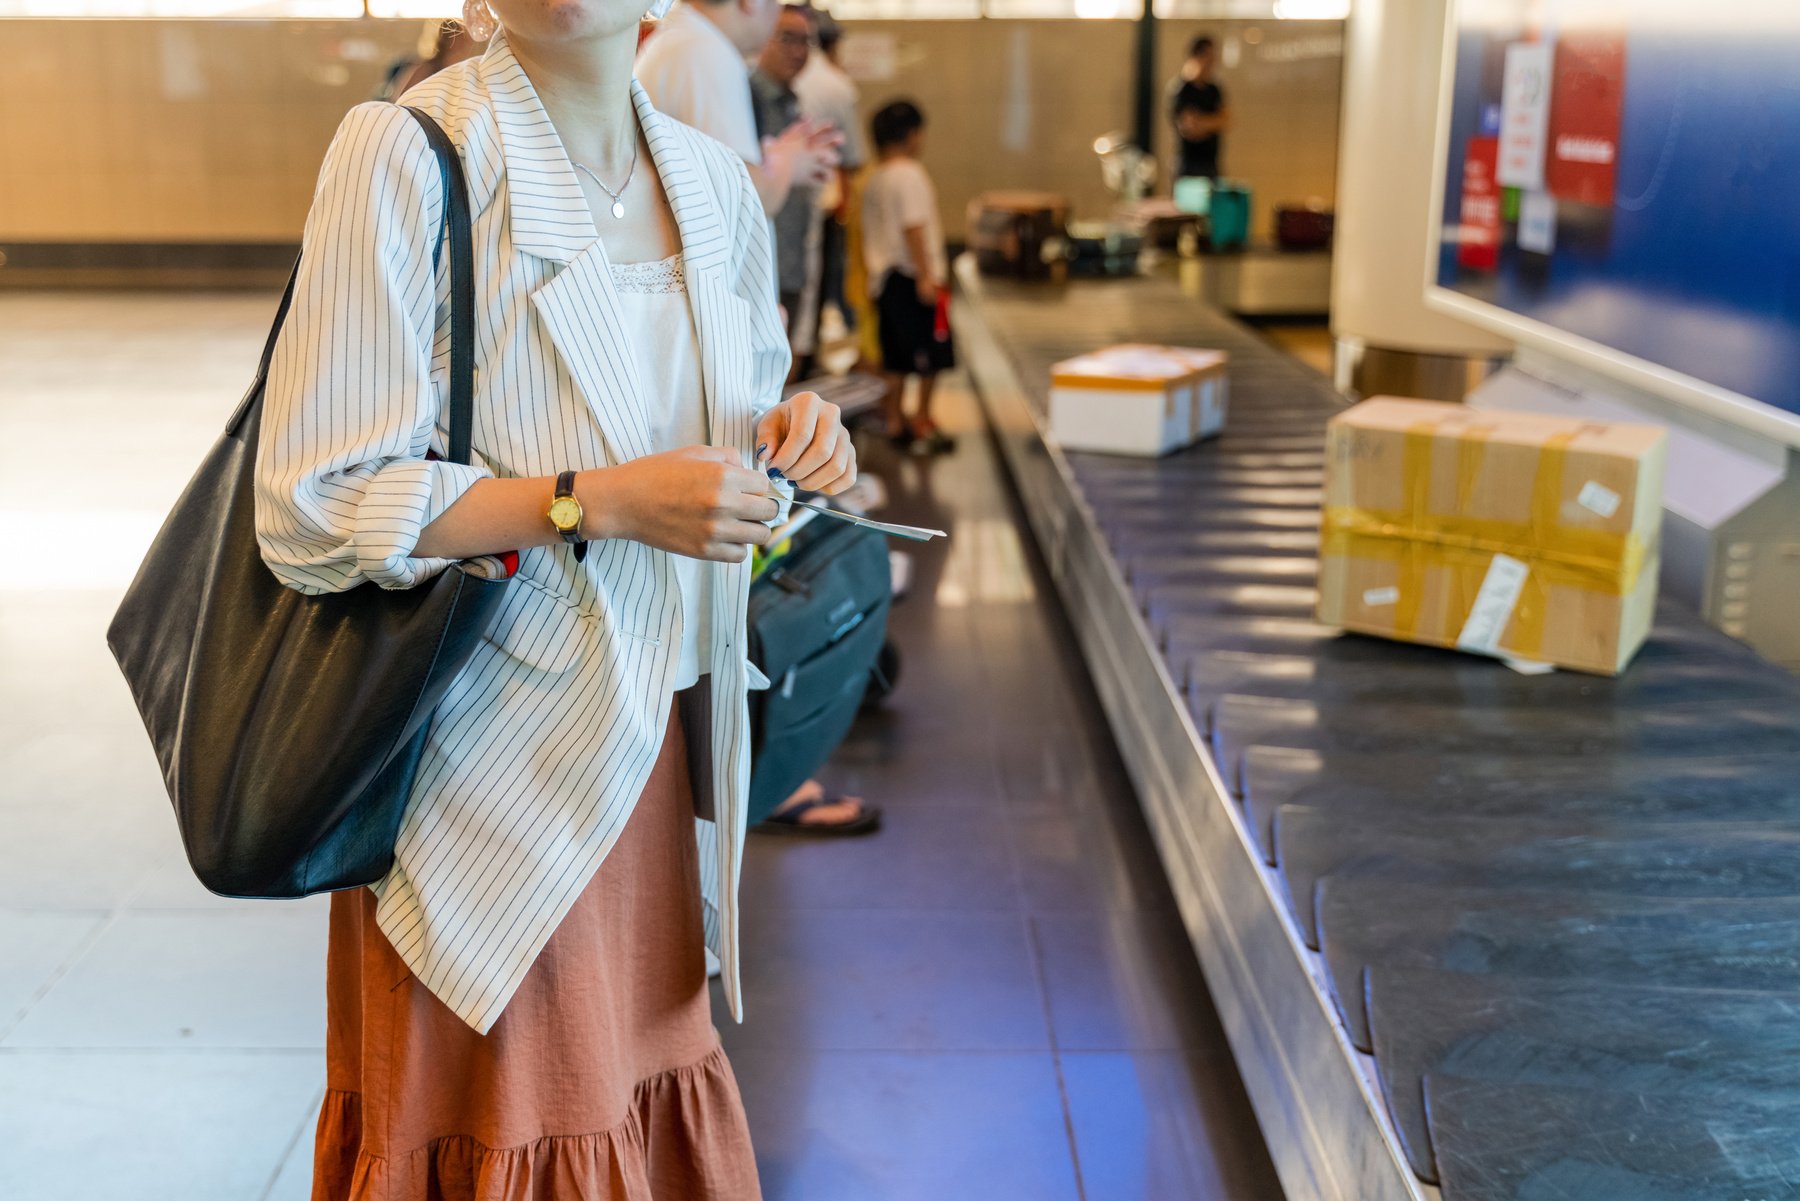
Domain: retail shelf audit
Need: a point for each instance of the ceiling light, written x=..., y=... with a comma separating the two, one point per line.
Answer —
x=1312, y=10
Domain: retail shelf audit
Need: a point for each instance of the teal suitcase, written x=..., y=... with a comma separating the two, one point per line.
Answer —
x=818, y=619
x=1230, y=216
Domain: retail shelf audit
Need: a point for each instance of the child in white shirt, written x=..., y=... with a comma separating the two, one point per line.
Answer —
x=903, y=248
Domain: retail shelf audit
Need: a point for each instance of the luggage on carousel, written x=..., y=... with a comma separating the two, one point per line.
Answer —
x=1103, y=248
x=1303, y=226
x=1229, y=216
x=1021, y=235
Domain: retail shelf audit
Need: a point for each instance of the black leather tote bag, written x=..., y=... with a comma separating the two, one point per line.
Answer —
x=289, y=727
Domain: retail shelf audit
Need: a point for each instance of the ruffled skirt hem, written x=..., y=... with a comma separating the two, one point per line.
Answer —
x=682, y=1138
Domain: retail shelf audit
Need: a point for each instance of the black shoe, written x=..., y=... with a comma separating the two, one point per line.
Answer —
x=937, y=442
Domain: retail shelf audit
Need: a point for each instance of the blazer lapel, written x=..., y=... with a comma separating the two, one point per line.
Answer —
x=548, y=217
x=581, y=312
x=547, y=213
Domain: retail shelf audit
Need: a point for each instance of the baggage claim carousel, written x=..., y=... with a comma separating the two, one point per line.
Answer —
x=1473, y=934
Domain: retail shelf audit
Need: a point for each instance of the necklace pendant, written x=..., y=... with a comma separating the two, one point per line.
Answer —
x=618, y=210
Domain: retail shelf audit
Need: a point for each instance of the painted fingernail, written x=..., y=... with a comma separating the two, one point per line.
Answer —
x=775, y=474
x=762, y=451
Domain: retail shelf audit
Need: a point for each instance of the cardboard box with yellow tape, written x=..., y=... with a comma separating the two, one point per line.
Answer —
x=1511, y=534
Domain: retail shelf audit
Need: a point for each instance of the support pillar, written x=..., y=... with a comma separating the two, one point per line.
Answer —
x=1384, y=338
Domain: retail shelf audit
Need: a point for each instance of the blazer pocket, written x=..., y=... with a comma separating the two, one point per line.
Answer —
x=539, y=629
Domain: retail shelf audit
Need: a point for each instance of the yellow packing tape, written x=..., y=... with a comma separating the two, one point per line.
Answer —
x=1415, y=539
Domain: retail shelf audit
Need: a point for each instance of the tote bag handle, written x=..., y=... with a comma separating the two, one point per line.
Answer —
x=462, y=298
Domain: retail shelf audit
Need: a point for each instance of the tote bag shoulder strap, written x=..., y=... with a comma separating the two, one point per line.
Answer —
x=462, y=298
x=462, y=285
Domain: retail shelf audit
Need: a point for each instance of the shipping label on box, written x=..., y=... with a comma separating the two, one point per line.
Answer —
x=1138, y=399
x=1509, y=534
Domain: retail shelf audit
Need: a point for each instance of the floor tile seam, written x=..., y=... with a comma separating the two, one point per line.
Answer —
x=1097, y=910
x=1196, y=1162
x=1036, y=949
x=1150, y=1047
x=24, y=1051
x=108, y=920
x=1195, y=1056
x=739, y=1046
x=911, y=910
x=1069, y=683
x=308, y=1119
x=1011, y=838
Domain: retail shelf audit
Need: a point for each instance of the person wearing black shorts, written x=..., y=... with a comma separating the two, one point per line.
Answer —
x=903, y=248
x=914, y=341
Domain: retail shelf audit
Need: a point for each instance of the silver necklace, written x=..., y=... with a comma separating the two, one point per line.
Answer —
x=618, y=206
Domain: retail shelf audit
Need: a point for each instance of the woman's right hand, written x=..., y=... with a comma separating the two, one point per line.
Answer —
x=699, y=501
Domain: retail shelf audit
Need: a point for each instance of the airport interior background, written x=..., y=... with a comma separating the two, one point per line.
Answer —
x=1343, y=745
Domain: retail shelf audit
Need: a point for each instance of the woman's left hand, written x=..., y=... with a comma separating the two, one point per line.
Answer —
x=804, y=438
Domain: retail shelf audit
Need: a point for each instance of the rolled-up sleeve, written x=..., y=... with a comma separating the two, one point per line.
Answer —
x=350, y=412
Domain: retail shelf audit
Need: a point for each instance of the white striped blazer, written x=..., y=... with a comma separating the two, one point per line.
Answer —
x=538, y=754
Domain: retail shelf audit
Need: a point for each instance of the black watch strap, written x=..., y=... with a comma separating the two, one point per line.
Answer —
x=565, y=486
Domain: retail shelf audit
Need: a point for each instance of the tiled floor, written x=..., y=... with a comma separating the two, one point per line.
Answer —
x=992, y=999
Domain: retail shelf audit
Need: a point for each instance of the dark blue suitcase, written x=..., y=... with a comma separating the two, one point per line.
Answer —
x=818, y=619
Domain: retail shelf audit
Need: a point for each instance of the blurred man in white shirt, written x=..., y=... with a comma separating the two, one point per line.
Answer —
x=827, y=93
x=796, y=237
x=694, y=68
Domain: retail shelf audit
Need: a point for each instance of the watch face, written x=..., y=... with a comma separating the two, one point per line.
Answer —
x=565, y=513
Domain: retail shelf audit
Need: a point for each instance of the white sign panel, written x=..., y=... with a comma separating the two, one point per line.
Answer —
x=1524, y=115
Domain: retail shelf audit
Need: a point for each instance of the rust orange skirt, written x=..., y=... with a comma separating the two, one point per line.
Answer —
x=603, y=1080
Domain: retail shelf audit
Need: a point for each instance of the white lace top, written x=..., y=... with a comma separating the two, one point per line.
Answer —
x=659, y=327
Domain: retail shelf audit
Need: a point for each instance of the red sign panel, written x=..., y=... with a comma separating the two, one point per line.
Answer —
x=1479, y=248
x=1585, y=102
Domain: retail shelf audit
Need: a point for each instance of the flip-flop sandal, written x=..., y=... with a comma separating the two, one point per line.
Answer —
x=933, y=441
x=788, y=821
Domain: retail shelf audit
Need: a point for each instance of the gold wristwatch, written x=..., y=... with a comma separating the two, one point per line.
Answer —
x=565, y=514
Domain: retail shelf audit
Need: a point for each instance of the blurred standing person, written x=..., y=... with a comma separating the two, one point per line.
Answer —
x=903, y=247
x=827, y=93
x=778, y=108
x=693, y=68
x=1197, y=107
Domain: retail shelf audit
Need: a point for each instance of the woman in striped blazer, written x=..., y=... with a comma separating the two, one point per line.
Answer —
x=519, y=1009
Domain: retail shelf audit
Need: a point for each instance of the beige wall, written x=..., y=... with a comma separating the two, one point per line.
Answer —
x=175, y=131
x=1284, y=89
x=1018, y=104
x=1009, y=104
